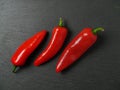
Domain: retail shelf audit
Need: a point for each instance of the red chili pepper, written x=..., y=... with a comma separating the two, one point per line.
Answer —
x=20, y=56
x=59, y=34
x=77, y=47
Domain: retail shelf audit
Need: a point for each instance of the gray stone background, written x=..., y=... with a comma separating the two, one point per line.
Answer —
x=97, y=69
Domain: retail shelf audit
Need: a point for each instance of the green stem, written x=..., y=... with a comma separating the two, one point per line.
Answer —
x=14, y=69
x=61, y=22
x=96, y=30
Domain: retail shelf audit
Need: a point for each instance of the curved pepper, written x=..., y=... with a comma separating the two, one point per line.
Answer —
x=77, y=47
x=59, y=34
x=20, y=56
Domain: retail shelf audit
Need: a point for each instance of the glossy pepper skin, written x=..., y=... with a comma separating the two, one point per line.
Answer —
x=57, y=39
x=77, y=47
x=25, y=49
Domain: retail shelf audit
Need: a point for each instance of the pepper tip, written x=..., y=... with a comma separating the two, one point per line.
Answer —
x=58, y=70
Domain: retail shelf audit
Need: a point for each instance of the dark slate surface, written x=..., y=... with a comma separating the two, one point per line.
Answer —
x=98, y=69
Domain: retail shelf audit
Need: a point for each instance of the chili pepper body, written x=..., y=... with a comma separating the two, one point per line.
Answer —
x=57, y=39
x=25, y=49
x=77, y=47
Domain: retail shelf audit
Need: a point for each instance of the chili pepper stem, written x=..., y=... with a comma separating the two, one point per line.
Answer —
x=96, y=30
x=14, y=69
x=61, y=22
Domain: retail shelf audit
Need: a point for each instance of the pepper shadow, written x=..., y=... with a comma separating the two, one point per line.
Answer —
x=99, y=43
